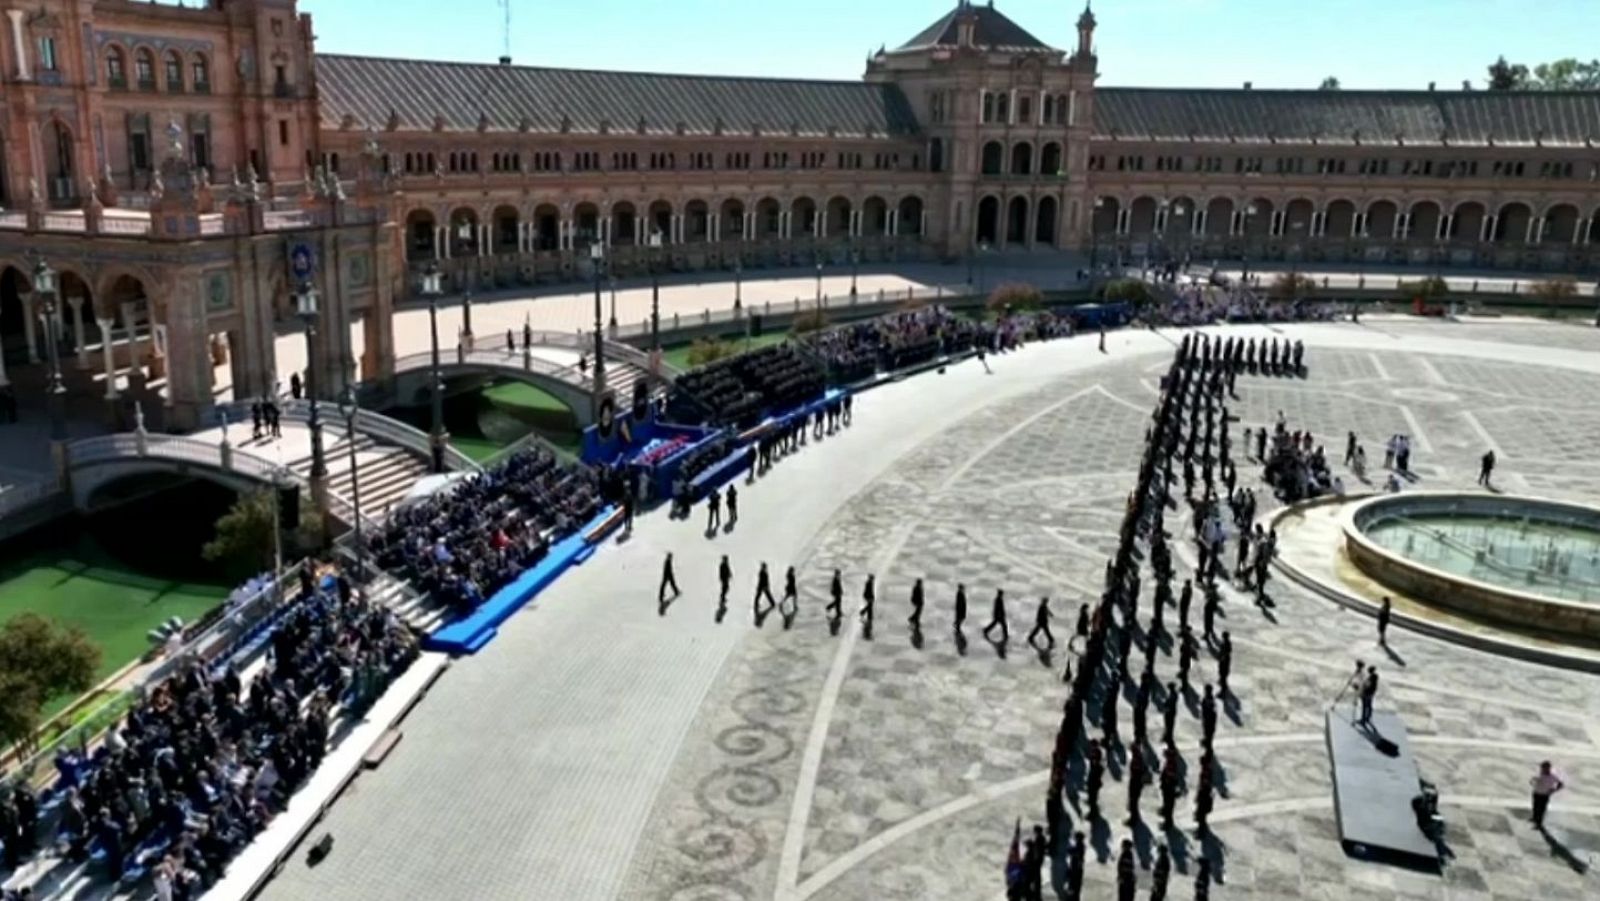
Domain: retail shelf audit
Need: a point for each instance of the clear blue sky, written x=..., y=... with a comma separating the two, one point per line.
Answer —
x=1220, y=43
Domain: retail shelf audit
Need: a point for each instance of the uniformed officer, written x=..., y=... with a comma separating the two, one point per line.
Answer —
x=961, y=605
x=836, y=592
x=868, y=598
x=998, y=619
x=916, y=607
x=1041, y=623
x=763, y=590
x=668, y=580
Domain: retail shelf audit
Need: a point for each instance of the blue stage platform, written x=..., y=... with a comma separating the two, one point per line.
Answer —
x=470, y=633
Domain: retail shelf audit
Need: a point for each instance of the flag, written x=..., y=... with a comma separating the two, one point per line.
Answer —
x=1014, y=859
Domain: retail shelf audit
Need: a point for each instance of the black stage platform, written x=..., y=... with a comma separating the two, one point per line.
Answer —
x=1374, y=779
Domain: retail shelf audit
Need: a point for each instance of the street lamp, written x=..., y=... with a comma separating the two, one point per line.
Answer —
x=466, y=319
x=1250, y=212
x=983, y=248
x=44, y=289
x=431, y=288
x=819, y=287
x=738, y=283
x=1094, y=237
x=306, y=308
x=655, y=293
x=597, y=257
x=349, y=409
x=612, y=280
x=855, y=267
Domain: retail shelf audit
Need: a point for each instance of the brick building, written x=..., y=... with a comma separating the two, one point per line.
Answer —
x=165, y=159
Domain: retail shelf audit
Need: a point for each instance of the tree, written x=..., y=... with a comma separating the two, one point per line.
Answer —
x=1425, y=288
x=1014, y=297
x=1331, y=83
x=1504, y=76
x=709, y=350
x=39, y=661
x=244, y=539
x=1555, y=290
x=1292, y=286
x=1566, y=75
x=1132, y=290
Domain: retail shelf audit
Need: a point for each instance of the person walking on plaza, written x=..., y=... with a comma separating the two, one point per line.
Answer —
x=1169, y=786
x=763, y=590
x=725, y=576
x=295, y=386
x=961, y=607
x=1094, y=779
x=998, y=619
x=668, y=580
x=1369, y=690
x=1138, y=776
x=1383, y=622
x=255, y=419
x=1041, y=623
x=1202, y=880
x=713, y=511
x=1224, y=663
x=1486, y=469
x=868, y=598
x=835, y=607
x=511, y=341
x=1160, y=874
x=733, y=505
x=1075, y=861
x=915, y=620
x=790, y=605
x=1545, y=783
x=1349, y=448
x=1169, y=714
x=1127, y=875
x=1208, y=714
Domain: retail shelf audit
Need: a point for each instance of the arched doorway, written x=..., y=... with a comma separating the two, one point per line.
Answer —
x=659, y=220
x=506, y=221
x=1044, y=229
x=874, y=217
x=1258, y=218
x=624, y=224
x=1181, y=214
x=697, y=221
x=769, y=219
x=1142, y=216
x=909, y=217
x=63, y=186
x=463, y=234
x=838, y=224
x=1380, y=220
x=14, y=289
x=547, y=227
x=1340, y=220
x=1560, y=224
x=1511, y=226
x=732, y=220
x=1297, y=220
x=420, y=232
x=1466, y=223
x=1022, y=158
x=1219, y=217
x=1017, y=220
x=586, y=224
x=1107, y=210
x=993, y=158
x=1424, y=222
x=1050, y=160
x=803, y=220
x=988, y=224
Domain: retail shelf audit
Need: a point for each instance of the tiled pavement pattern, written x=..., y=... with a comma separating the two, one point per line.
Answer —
x=916, y=731
x=813, y=765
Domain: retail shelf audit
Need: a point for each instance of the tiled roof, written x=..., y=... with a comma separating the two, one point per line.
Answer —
x=1416, y=117
x=512, y=98
x=992, y=29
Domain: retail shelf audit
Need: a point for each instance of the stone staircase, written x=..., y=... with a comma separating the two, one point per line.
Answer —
x=384, y=480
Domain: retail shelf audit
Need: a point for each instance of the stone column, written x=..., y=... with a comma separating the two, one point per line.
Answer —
x=1355, y=225
x=1580, y=234
x=485, y=240
x=108, y=349
x=894, y=223
x=189, y=372
x=605, y=230
x=1486, y=229
x=79, y=339
x=135, y=357
x=1535, y=230
x=1446, y=222
x=18, y=48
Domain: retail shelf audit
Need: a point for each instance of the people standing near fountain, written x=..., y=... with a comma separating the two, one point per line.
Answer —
x=1383, y=622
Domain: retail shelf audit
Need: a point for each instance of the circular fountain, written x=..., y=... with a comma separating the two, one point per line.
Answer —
x=1523, y=563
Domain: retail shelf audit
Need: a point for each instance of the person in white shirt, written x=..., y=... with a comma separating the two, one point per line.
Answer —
x=1544, y=783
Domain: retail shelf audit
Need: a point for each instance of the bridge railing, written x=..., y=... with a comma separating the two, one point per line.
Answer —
x=516, y=361
x=376, y=425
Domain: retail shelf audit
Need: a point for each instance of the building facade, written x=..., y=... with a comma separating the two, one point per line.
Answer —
x=166, y=159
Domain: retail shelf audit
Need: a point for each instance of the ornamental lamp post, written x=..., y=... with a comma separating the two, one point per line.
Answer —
x=1250, y=212
x=819, y=288
x=432, y=287
x=45, y=291
x=855, y=267
x=597, y=258
x=655, y=292
x=306, y=307
x=738, y=283
x=466, y=319
x=1094, y=238
x=349, y=409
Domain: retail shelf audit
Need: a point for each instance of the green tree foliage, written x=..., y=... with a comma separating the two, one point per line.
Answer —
x=1292, y=286
x=1014, y=297
x=1504, y=76
x=1426, y=288
x=811, y=320
x=1555, y=289
x=39, y=661
x=244, y=539
x=1331, y=83
x=709, y=350
x=1567, y=75
x=1132, y=290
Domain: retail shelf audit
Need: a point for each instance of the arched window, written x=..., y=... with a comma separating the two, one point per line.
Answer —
x=144, y=68
x=1049, y=110
x=174, y=72
x=116, y=69
x=200, y=68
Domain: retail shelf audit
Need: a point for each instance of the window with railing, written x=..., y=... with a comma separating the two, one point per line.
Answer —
x=144, y=69
x=116, y=69
x=201, y=70
x=174, y=72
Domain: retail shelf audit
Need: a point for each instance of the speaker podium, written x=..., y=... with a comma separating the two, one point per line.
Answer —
x=1375, y=779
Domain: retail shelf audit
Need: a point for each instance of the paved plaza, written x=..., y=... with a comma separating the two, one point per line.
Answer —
x=601, y=749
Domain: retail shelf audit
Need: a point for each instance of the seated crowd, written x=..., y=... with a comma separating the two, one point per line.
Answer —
x=737, y=390
x=472, y=539
x=197, y=769
x=1226, y=301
